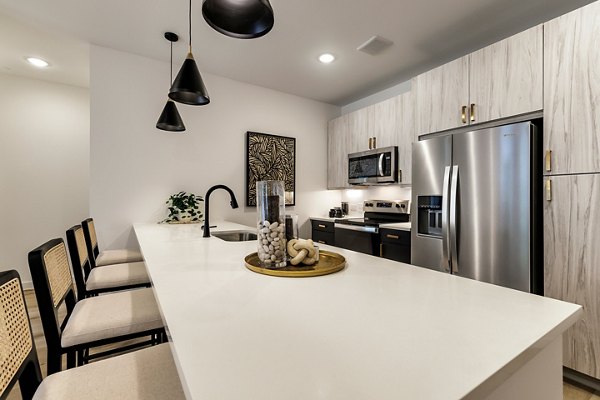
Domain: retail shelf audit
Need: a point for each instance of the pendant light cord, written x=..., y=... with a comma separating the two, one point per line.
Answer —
x=190, y=24
x=171, y=65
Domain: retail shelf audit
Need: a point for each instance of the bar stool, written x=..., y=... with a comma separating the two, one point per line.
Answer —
x=90, y=322
x=90, y=282
x=144, y=374
x=106, y=257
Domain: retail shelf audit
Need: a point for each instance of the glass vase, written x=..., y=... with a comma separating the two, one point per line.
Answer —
x=270, y=210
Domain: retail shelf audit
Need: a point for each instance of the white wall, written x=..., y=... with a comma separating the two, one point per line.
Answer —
x=378, y=97
x=135, y=167
x=44, y=165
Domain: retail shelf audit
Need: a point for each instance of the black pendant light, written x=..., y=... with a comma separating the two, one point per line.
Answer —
x=169, y=119
x=188, y=87
x=242, y=19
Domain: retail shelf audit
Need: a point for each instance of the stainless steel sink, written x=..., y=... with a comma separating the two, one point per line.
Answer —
x=235, y=236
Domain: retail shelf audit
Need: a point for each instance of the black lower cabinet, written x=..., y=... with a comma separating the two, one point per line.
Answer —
x=395, y=245
x=323, y=232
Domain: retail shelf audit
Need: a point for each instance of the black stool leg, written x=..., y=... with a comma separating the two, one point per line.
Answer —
x=30, y=378
x=54, y=361
x=71, y=359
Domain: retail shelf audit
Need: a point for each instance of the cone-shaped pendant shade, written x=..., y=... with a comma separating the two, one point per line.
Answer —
x=169, y=119
x=188, y=87
x=242, y=19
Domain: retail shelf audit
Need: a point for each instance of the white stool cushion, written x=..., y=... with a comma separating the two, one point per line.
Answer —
x=118, y=256
x=147, y=374
x=117, y=275
x=111, y=315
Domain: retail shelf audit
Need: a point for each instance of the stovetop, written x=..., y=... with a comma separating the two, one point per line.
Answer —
x=380, y=212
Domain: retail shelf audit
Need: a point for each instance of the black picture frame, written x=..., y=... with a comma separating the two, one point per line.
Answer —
x=270, y=157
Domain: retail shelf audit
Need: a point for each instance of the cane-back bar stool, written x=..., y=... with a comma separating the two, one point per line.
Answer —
x=109, y=278
x=106, y=257
x=18, y=358
x=148, y=374
x=90, y=322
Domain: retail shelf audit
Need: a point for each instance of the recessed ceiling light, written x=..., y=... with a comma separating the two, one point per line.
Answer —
x=37, y=62
x=326, y=58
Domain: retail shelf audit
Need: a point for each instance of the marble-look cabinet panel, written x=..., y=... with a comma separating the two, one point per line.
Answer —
x=382, y=123
x=572, y=91
x=440, y=97
x=572, y=263
x=405, y=135
x=358, y=131
x=506, y=78
x=337, y=159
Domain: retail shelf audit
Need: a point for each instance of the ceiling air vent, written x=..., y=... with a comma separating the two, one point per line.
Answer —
x=375, y=45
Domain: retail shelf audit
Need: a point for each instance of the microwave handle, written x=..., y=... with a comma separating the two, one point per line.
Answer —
x=380, y=167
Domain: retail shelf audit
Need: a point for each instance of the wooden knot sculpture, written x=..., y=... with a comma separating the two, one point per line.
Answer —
x=302, y=251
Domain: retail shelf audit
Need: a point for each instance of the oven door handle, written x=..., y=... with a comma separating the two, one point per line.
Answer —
x=358, y=228
x=380, y=166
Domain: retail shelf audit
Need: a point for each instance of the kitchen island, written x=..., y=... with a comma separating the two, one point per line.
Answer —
x=376, y=330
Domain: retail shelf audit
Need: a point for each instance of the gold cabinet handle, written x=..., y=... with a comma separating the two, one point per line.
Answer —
x=380, y=249
x=472, y=113
x=463, y=114
x=321, y=226
x=548, y=190
x=374, y=142
x=389, y=236
x=370, y=143
x=321, y=241
x=548, y=160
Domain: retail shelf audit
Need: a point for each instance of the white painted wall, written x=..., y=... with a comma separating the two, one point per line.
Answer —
x=378, y=97
x=135, y=167
x=44, y=165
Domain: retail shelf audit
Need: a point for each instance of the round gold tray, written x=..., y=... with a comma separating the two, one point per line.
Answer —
x=329, y=263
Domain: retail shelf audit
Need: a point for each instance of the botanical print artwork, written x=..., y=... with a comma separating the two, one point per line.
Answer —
x=270, y=157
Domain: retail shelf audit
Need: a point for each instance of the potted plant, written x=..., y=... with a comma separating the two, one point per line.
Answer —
x=184, y=207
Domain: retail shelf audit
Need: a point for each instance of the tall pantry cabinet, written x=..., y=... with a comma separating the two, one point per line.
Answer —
x=572, y=181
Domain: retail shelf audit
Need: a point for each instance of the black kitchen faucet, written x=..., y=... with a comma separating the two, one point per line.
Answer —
x=233, y=203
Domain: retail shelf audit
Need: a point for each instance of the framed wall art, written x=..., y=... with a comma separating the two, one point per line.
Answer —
x=270, y=157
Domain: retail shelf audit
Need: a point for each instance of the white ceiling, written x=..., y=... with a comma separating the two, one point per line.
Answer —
x=426, y=33
x=68, y=57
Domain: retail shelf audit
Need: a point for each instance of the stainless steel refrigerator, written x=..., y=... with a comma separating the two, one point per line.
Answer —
x=476, y=208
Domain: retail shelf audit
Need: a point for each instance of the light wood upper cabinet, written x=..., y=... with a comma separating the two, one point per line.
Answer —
x=404, y=135
x=572, y=91
x=572, y=263
x=498, y=81
x=382, y=123
x=440, y=95
x=337, y=156
x=506, y=78
x=358, y=130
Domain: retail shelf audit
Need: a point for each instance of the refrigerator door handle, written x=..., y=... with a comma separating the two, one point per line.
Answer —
x=453, y=222
x=446, y=220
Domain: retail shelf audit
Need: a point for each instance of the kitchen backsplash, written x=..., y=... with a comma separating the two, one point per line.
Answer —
x=355, y=197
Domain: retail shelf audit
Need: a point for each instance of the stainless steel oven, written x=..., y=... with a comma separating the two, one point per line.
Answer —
x=372, y=167
x=362, y=234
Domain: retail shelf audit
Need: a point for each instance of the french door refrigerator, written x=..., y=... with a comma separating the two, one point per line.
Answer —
x=476, y=206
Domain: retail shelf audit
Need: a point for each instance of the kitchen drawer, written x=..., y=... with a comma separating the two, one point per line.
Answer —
x=395, y=245
x=395, y=236
x=323, y=237
x=396, y=252
x=324, y=226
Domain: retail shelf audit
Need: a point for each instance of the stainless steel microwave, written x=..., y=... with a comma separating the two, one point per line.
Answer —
x=373, y=167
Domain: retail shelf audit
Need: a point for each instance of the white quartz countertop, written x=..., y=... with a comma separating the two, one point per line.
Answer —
x=379, y=329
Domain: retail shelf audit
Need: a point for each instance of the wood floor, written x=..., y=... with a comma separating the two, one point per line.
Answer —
x=570, y=392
